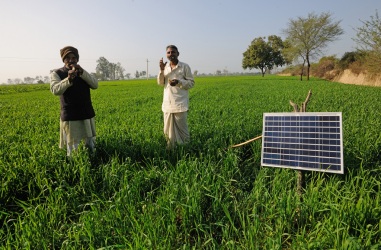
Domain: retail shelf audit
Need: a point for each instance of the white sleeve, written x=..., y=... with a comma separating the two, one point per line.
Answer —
x=58, y=86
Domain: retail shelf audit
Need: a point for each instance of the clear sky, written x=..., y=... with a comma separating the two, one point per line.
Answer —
x=210, y=34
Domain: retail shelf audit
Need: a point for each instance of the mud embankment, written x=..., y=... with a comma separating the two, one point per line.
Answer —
x=349, y=77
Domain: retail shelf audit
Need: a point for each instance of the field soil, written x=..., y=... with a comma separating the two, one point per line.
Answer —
x=347, y=76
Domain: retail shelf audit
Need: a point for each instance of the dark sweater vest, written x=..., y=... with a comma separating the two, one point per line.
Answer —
x=76, y=100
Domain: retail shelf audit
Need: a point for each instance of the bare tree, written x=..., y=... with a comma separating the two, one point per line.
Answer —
x=17, y=81
x=368, y=38
x=310, y=35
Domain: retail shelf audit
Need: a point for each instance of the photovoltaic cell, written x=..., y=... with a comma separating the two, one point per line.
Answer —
x=303, y=140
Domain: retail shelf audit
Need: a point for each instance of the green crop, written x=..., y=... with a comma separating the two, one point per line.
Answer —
x=134, y=194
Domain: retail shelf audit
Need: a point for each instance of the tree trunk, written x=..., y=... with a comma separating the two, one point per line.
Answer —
x=308, y=67
x=302, y=70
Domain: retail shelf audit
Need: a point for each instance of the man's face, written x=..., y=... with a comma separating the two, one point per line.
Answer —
x=70, y=60
x=172, y=54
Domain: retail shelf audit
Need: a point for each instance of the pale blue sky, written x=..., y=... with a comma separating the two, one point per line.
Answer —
x=210, y=34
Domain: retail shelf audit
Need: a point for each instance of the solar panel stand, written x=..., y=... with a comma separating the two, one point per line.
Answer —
x=300, y=173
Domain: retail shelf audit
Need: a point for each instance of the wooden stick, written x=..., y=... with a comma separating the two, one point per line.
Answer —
x=304, y=104
x=300, y=173
x=246, y=142
x=295, y=106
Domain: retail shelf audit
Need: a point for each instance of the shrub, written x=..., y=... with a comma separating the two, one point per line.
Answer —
x=373, y=62
x=349, y=58
x=356, y=67
x=323, y=68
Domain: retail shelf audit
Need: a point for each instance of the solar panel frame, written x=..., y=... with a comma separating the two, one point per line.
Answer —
x=303, y=140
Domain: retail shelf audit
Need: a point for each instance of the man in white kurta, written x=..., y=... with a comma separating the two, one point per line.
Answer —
x=177, y=79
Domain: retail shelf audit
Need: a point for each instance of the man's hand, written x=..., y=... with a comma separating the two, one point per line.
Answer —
x=173, y=82
x=78, y=70
x=162, y=64
x=72, y=73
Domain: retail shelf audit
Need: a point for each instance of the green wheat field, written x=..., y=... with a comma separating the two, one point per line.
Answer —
x=134, y=194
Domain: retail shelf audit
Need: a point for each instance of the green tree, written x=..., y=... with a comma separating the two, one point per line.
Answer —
x=106, y=70
x=264, y=55
x=103, y=69
x=28, y=79
x=112, y=70
x=277, y=47
x=308, y=36
x=119, y=71
x=368, y=38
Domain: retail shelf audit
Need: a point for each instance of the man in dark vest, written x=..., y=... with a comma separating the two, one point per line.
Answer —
x=72, y=84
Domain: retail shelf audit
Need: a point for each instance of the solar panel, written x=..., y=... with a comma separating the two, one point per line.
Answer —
x=303, y=140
